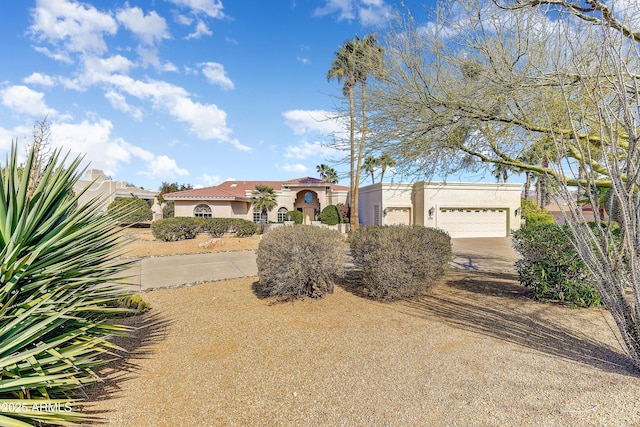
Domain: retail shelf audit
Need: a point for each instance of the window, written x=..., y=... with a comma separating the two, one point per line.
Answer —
x=257, y=216
x=282, y=214
x=202, y=211
x=308, y=197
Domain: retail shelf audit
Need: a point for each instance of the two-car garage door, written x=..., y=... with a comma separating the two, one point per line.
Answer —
x=473, y=222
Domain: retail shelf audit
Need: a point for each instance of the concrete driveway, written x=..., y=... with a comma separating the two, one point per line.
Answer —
x=478, y=255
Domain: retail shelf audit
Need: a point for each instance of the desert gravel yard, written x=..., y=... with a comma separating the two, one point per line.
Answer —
x=476, y=352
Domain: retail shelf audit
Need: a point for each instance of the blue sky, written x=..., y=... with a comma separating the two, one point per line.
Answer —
x=193, y=91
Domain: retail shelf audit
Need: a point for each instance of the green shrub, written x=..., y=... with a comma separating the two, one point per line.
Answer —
x=134, y=303
x=295, y=216
x=400, y=261
x=301, y=261
x=330, y=215
x=534, y=219
x=550, y=265
x=529, y=206
x=60, y=275
x=243, y=228
x=130, y=210
x=178, y=228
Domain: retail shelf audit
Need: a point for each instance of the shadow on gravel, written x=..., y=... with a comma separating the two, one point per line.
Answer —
x=512, y=324
x=148, y=330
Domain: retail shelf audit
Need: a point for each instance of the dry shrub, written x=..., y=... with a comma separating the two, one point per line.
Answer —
x=300, y=261
x=399, y=261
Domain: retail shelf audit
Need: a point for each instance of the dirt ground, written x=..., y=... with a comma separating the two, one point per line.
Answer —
x=141, y=243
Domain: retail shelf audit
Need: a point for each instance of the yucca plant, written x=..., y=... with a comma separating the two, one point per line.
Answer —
x=58, y=286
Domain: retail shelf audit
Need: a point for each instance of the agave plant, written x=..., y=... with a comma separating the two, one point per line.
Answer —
x=59, y=279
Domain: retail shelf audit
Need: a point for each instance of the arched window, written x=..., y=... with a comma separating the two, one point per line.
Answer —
x=308, y=197
x=202, y=211
x=282, y=214
x=257, y=215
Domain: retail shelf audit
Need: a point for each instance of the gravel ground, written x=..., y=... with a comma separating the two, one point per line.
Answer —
x=476, y=352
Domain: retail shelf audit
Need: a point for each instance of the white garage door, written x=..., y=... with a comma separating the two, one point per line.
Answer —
x=398, y=216
x=473, y=222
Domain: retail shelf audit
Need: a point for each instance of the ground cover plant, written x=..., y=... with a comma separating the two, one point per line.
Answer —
x=59, y=265
x=400, y=261
x=300, y=261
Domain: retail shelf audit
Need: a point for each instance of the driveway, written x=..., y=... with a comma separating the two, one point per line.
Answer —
x=479, y=255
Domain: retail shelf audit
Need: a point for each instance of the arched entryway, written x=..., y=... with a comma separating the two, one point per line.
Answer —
x=307, y=202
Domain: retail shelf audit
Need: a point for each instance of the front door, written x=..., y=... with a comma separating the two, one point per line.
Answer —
x=309, y=214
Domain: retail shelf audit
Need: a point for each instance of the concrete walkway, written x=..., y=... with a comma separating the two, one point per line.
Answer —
x=176, y=270
x=478, y=255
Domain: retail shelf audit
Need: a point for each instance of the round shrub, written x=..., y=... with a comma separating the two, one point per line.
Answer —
x=130, y=210
x=550, y=265
x=295, y=216
x=534, y=219
x=298, y=262
x=400, y=261
x=178, y=228
x=330, y=215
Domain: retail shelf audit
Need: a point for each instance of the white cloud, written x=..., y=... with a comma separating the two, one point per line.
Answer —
x=21, y=99
x=211, y=8
x=325, y=123
x=368, y=12
x=71, y=27
x=150, y=28
x=306, y=150
x=201, y=30
x=39, y=79
x=216, y=74
x=119, y=102
x=209, y=180
x=106, y=152
x=297, y=167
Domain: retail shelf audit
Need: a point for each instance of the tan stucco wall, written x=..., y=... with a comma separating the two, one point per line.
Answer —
x=423, y=196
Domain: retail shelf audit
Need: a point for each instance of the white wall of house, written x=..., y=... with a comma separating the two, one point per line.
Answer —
x=97, y=185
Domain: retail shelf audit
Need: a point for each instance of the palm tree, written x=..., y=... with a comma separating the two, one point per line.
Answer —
x=355, y=61
x=369, y=165
x=385, y=161
x=264, y=199
x=332, y=176
x=322, y=169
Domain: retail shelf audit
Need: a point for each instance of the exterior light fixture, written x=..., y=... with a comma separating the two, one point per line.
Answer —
x=431, y=211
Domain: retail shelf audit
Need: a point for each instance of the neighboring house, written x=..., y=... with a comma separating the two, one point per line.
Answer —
x=558, y=211
x=232, y=199
x=108, y=190
x=461, y=209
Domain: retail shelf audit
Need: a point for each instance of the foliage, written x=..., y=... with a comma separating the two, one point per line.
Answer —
x=178, y=228
x=301, y=261
x=330, y=215
x=400, y=261
x=130, y=210
x=550, y=265
x=529, y=206
x=343, y=208
x=539, y=218
x=60, y=269
x=355, y=64
x=295, y=216
x=134, y=303
x=264, y=199
x=184, y=228
x=327, y=173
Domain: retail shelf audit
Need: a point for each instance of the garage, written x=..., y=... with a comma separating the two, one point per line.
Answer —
x=398, y=216
x=473, y=222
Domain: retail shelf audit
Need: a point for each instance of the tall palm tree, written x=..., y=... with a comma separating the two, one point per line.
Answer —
x=355, y=62
x=332, y=176
x=385, y=161
x=264, y=199
x=369, y=165
x=322, y=169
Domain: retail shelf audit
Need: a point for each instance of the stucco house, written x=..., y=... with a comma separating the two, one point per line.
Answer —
x=232, y=199
x=460, y=208
x=108, y=189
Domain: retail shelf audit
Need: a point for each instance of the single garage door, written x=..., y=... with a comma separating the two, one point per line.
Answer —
x=398, y=216
x=473, y=222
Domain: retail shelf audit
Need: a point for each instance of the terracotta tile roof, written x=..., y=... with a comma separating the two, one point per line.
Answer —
x=241, y=189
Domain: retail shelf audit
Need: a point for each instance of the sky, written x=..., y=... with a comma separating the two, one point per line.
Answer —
x=188, y=91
